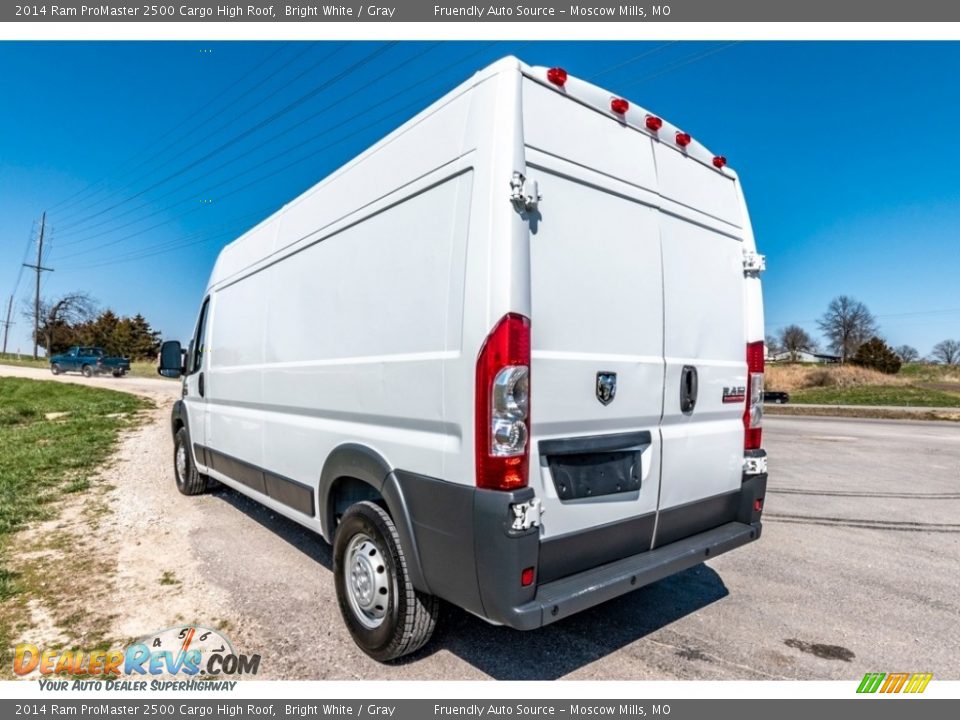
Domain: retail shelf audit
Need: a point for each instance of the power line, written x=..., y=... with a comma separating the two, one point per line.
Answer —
x=299, y=144
x=235, y=115
x=74, y=198
x=6, y=324
x=632, y=60
x=26, y=254
x=680, y=63
x=257, y=126
x=282, y=133
x=684, y=61
x=198, y=238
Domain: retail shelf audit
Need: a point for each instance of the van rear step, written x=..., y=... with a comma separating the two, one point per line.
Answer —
x=567, y=596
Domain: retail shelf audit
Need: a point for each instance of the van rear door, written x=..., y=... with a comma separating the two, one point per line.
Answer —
x=704, y=346
x=596, y=378
x=596, y=375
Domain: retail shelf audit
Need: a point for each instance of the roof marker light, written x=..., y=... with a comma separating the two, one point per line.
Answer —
x=654, y=123
x=719, y=161
x=558, y=76
x=619, y=106
x=683, y=139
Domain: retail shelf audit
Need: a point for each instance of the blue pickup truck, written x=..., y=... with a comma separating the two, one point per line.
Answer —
x=89, y=361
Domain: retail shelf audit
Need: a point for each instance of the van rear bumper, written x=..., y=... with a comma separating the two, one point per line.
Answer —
x=567, y=596
x=461, y=542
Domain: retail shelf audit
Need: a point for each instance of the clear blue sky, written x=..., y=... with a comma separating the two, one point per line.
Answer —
x=848, y=153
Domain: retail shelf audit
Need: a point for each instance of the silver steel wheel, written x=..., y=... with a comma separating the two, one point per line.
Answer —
x=181, y=463
x=367, y=580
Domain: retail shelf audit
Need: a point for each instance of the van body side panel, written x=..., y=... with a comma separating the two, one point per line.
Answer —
x=493, y=279
x=358, y=337
x=349, y=194
x=335, y=319
x=233, y=378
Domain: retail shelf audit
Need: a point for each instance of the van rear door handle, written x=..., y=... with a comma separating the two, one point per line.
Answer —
x=688, y=389
x=200, y=384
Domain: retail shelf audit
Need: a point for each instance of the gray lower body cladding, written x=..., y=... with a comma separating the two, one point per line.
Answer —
x=470, y=556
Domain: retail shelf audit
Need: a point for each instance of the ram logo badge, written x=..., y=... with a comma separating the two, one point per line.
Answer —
x=734, y=394
x=606, y=387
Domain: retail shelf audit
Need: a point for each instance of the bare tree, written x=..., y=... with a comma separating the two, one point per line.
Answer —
x=795, y=340
x=847, y=324
x=907, y=353
x=947, y=352
x=58, y=316
x=773, y=345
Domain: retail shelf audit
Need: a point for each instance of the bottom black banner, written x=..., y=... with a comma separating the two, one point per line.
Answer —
x=876, y=708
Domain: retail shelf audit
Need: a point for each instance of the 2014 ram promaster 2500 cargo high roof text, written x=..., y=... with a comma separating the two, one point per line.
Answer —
x=511, y=357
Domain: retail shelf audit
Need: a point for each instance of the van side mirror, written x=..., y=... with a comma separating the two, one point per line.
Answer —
x=171, y=360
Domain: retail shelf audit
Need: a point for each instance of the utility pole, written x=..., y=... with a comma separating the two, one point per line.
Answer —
x=7, y=324
x=39, y=269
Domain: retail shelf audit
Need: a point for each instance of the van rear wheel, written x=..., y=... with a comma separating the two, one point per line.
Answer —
x=386, y=615
x=189, y=480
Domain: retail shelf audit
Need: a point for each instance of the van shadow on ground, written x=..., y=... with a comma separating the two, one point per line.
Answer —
x=304, y=540
x=568, y=645
x=546, y=654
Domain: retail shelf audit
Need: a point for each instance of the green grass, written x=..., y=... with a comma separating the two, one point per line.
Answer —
x=931, y=373
x=23, y=360
x=903, y=395
x=137, y=369
x=168, y=578
x=42, y=460
x=39, y=458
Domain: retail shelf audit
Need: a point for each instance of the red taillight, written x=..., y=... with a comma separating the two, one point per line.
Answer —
x=753, y=414
x=758, y=505
x=719, y=161
x=619, y=106
x=683, y=139
x=526, y=577
x=503, y=405
x=653, y=123
x=558, y=76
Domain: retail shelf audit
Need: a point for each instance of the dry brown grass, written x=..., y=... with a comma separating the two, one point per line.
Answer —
x=801, y=377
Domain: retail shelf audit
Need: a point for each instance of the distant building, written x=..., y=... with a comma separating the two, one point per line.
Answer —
x=803, y=356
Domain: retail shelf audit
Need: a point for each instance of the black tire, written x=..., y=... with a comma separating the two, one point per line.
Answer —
x=55, y=369
x=410, y=616
x=189, y=480
x=87, y=371
x=118, y=373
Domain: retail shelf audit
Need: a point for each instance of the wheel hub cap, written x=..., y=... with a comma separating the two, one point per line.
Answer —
x=367, y=581
x=181, y=463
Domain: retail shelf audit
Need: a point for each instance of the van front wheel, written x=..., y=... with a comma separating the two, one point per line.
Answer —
x=385, y=614
x=189, y=480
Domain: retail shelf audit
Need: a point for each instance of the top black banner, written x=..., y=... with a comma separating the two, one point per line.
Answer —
x=528, y=10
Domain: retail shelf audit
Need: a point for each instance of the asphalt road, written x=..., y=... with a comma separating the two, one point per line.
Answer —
x=858, y=570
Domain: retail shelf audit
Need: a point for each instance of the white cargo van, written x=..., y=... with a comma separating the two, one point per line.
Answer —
x=510, y=357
